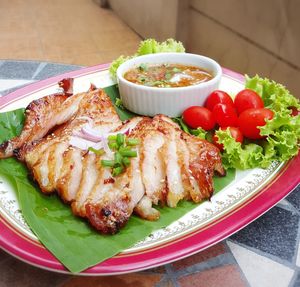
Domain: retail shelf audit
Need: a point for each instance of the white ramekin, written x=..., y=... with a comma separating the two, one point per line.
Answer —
x=150, y=101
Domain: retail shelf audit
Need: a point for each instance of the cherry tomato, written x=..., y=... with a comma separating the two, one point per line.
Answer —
x=197, y=116
x=247, y=99
x=250, y=119
x=235, y=133
x=218, y=97
x=225, y=115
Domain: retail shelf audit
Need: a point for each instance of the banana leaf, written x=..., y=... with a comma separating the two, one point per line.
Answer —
x=69, y=238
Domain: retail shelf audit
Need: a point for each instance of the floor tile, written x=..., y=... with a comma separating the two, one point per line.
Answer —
x=18, y=274
x=133, y=279
x=167, y=283
x=53, y=69
x=294, y=198
x=276, y=239
x=296, y=282
x=298, y=256
x=228, y=276
x=259, y=270
x=18, y=70
x=211, y=252
x=4, y=255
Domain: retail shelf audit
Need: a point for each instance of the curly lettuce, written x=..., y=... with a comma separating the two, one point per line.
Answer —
x=115, y=65
x=148, y=46
x=282, y=133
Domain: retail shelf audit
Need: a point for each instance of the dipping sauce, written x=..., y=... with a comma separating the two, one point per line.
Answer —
x=167, y=75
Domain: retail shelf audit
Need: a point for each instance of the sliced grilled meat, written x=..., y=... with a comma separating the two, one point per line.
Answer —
x=170, y=165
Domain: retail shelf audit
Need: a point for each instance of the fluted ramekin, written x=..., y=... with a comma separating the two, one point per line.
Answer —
x=150, y=101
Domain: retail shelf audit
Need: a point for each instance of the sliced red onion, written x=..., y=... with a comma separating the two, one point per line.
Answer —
x=91, y=134
x=89, y=137
x=81, y=142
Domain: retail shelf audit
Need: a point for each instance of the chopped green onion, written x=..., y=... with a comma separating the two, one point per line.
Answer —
x=143, y=67
x=168, y=75
x=118, y=143
x=113, y=145
x=107, y=163
x=96, y=151
x=127, y=152
x=119, y=103
x=120, y=139
x=133, y=142
x=142, y=79
x=176, y=70
x=117, y=170
x=112, y=138
x=126, y=161
x=118, y=158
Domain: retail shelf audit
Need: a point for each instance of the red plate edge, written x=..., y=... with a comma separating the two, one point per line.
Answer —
x=28, y=251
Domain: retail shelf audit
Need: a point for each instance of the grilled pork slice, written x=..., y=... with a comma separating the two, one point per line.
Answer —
x=170, y=165
x=204, y=159
x=41, y=116
x=53, y=161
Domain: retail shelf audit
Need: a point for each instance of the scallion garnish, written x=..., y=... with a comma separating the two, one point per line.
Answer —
x=168, y=76
x=107, y=163
x=120, y=140
x=143, y=67
x=117, y=170
x=112, y=138
x=127, y=152
x=97, y=151
x=122, y=147
x=118, y=158
x=176, y=70
x=126, y=161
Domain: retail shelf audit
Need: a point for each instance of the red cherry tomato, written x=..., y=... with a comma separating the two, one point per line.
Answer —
x=218, y=97
x=225, y=115
x=197, y=116
x=247, y=99
x=250, y=119
x=235, y=133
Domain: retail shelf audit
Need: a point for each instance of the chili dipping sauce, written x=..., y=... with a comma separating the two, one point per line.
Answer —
x=167, y=75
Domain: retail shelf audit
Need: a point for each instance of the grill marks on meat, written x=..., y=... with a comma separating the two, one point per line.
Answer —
x=170, y=165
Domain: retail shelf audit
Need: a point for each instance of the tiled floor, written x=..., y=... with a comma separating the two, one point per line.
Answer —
x=65, y=31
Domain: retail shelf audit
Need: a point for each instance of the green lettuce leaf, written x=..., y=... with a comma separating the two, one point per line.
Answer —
x=282, y=133
x=275, y=96
x=115, y=65
x=148, y=46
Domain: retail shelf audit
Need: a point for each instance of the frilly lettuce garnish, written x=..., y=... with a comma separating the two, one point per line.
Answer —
x=282, y=132
x=149, y=46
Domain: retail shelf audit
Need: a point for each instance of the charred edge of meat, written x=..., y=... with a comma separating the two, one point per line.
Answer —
x=92, y=88
x=18, y=154
x=219, y=169
x=67, y=85
x=108, y=219
x=3, y=148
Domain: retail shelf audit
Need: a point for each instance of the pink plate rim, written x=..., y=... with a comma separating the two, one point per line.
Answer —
x=16, y=244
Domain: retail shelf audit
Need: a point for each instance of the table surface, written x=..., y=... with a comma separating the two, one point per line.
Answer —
x=265, y=253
